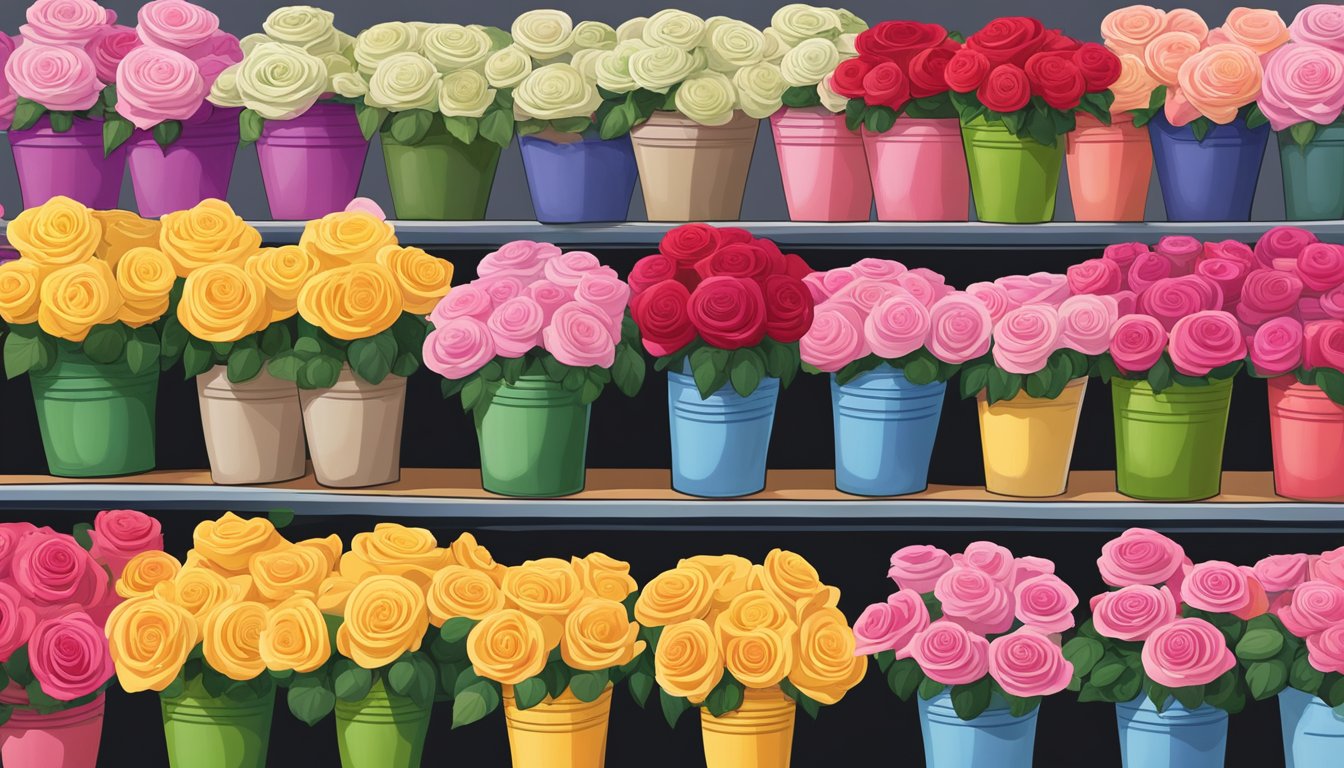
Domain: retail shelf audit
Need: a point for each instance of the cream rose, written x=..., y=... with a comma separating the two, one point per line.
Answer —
x=224, y=91
x=592, y=35
x=508, y=66
x=734, y=44
x=632, y=29
x=660, y=68
x=707, y=98
x=759, y=89
x=252, y=41
x=349, y=85
x=775, y=47
x=404, y=81
x=809, y=62
x=544, y=34
x=553, y=92
x=382, y=41
x=280, y=82
x=612, y=68
x=797, y=22
x=452, y=47
x=674, y=28
x=586, y=62
x=829, y=98
x=309, y=28
x=465, y=93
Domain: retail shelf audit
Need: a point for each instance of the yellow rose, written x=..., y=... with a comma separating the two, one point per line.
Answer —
x=759, y=658
x=394, y=549
x=55, y=234
x=144, y=277
x=149, y=641
x=385, y=617
x=333, y=594
x=339, y=239
x=604, y=577
x=222, y=302
x=423, y=279
x=688, y=662
x=146, y=570
x=468, y=553
x=508, y=647
x=728, y=572
x=674, y=596
x=458, y=591
x=540, y=589
x=353, y=302
x=753, y=610
x=790, y=577
x=231, y=640
x=283, y=271
x=824, y=664
x=20, y=286
x=599, y=635
x=76, y=298
x=295, y=636
x=199, y=590
x=122, y=231
x=229, y=543
x=330, y=548
x=210, y=233
x=287, y=571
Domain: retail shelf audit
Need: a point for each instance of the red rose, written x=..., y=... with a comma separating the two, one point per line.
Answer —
x=1100, y=67
x=736, y=260
x=1005, y=90
x=788, y=308
x=690, y=243
x=886, y=86
x=1009, y=40
x=847, y=80
x=730, y=235
x=966, y=71
x=1055, y=40
x=662, y=317
x=728, y=312
x=927, y=72
x=651, y=270
x=897, y=41
x=794, y=266
x=1056, y=79
x=774, y=256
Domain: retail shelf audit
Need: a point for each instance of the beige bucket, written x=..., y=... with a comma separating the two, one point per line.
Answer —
x=354, y=430
x=253, y=430
x=694, y=172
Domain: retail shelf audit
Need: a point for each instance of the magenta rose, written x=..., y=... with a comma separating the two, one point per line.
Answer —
x=1234, y=250
x=1320, y=267
x=1036, y=288
x=1137, y=342
x=1227, y=274
x=1182, y=250
x=897, y=326
x=1325, y=649
x=1324, y=345
x=959, y=328
x=17, y=620
x=580, y=335
x=65, y=22
x=1186, y=652
x=1025, y=338
x=459, y=347
x=1204, y=341
x=1217, y=587
x=69, y=656
x=522, y=258
x=1278, y=248
x=1309, y=308
x=108, y=47
x=891, y=625
x=994, y=297
x=650, y=271
x=877, y=269
x=728, y=312
x=1027, y=663
x=1133, y=612
x=120, y=534
x=548, y=296
x=1146, y=269
x=1314, y=606
x=1266, y=294
x=949, y=654
x=1172, y=298
x=975, y=600
x=816, y=286
x=918, y=566
x=1139, y=556
x=835, y=339
x=468, y=300
x=10, y=533
x=1276, y=347
x=987, y=557
x=515, y=326
x=604, y=292
x=1126, y=302
x=1332, y=303
x=1085, y=323
x=53, y=573
x=690, y=243
x=661, y=314
x=1099, y=276
x=1045, y=603
x=1280, y=573
x=1322, y=24
x=864, y=293
x=1124, y=254
x=568, y=269
x=177, y=25
x=57, y=77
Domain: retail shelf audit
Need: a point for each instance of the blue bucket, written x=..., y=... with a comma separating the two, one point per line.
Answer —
x=1175, y=738
x=884, y=432
x=719, y=445
x=587, y=180
x=1312, y=733
x=995, y=739
x=1210, y=180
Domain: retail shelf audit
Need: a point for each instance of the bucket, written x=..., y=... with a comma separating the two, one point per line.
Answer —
x=918, y=170
x=719, y=444
x=354, y=430
x=70, y=164
x=1110, y=167
x=1307, y=429
x=534, y=439
x=253, y=430
x=884, y=432
x=1175, y=738
x=1013, y=180
x=1312, y=733
x=311, y=165
x=823, y=165
x=1313, y=176
x=1027, y=441
x=65, y=739
x=440, y=179
x=381, y=731
x=196, y=167
x=577, y=179
x=1210, y=180
x=995, y=739
x=759, y=734
x=1169, y=446
x=217, y=732
x=559, y=733
x=693, y=172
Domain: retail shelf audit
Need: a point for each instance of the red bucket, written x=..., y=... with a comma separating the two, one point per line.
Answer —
x=65, y=739
x=1307, y=428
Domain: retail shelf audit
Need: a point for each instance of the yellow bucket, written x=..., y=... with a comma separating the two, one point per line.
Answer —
x=758, y=735
x=1028, y=441
x=558, y=733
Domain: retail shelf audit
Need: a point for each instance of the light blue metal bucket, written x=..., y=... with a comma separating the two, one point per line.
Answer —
x=884, y=432
x=1312, y=733
x=995, y=739
x=719, y=444
x=1175, y=738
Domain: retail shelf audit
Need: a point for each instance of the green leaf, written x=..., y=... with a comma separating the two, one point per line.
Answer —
x=618, y=121
x=310, y=699
x=455, y=630
x=1266, y=678
x=588, y=686
x=250, y=125
x=1002, y=385
x=1191, y=696
x=970, y=700
x=801, y=96
x=1106, y=672
x=61, y=122
x=879, y=119
x=854, y=114
x=556, y=676
x=116, y=131
x=167, y=132
x=473, y=393
x=1200, y=128
x=1302, y=133
x=641, y=685
x=105, y=343
x=142, y=349
x=275, y=339
x=1259, y=644
x=24, y=353
x=319, y=373
x=1083, y=653
x=529, y=693
x=464, y=129
x=904, y=678
x=1332, y=383
x=673, y=707
x=748, y=368
x=1160, y=375
x=371, y=358
x=571, y=124
x=1303, y=676
x=1254, y=117
x=709, y=368
x=726, y=697
x=930, y=688
x=1019, y=706
x=284, y=366
x=370, y=119
x=474, y=703
x=972, y=379
x=26, y=114
x=245, y=361
x=410, y=127
x=497, y=127
x=81, y=535
x=628, y=371
x=280, y=517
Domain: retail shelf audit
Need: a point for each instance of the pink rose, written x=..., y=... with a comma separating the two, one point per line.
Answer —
x=918, y=566
x=989, y=558
x=1029, y=568
x=157, y=84
x=1137, y=342
x=501, y=287
x=1325, y=649
x=1186, y=652
x=120, y=534
x=1320, y=24
x=1171, y=298
x=548, y=296
x=877, y=269
x=1037, y=288
x=459, y=347
x=568, y=269
x=1045, y=603
x=1146, y=269
x=1227, y=274
x=1097, y=276
x=177, y=25
x=1124, y=254
x=1139, y=556
x=890, y=626
x=1026, y=663
x=1314, y=606
x=515, y=326
x=10, y=534
x=1268, y=293
x=69, y=656
x=1278, y=248
x=925, y=285
x=1304, y=82
x=994, y=297
x=108, y=47
x=1234, y=250
x=57, y=77
x=1133, y=612
x=53, y=573
x=1205, y=340
x=1309, y=308
x=815, y=282
x=835, y=339
x=580, y=336
x=1085, y=323
x=975, y=600
x=1328, y=566
x=1182, y=250
x=949, y=654
x=864, y=293
x=16, y=620
x=1332, y=303
x=1025, y=338
x=959, y=328
x=1126, y=302
x=606, y=293
x=1320, y=266
x=463, y=301
x=1280, y=573
x=64, y=22
x=897, y=326
x=1324, y=345
x=835, y=279
x=365, y=205
x=1277, y=347
x=1220, y=587
x=523, y=258
x=225, y=51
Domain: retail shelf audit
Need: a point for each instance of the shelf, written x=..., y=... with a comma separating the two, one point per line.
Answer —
x=795, y=499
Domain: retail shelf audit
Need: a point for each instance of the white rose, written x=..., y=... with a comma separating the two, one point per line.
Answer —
x=845, y=45
x=452, y=47
x=678, y=29
x=224, y=92
x=707, y=98
x=809, y=62
x=775, y=47
x=632, y=29
x=829, y=98
x=382, y=41
x=402, y=82
x=798, y=22
x=592, y=35
x=612, y=68
x=309, y=28
x=252, y=41
x=849, y=23
x=660, y=68
x=465, y=93
x=586, y=62
x=760, y=88
x=554, y=92
x=349, y=84
x=279, y=81
x=732, y=45
x=544, y=34
x=507, y=67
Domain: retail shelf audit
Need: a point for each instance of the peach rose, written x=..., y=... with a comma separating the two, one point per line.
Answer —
x=1218, y=81
x=1129, y=29
x=1186, y=20
x=1259, y=29
x=1134, y=88
x=1167, y=52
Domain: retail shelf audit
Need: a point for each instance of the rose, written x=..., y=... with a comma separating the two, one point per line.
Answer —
x=69, y=657
x=76, y=298
x=1183, y=251
x=296, y=638
x=1203, y=341
x=1045, y=603
x=120, y=534
x=1167, y=52
x=385, y=617
x=707, y=98
x=1216, y=82
x=1321, y=24
x=16, y=621
x=107, y=48
x=352, y=302
x=1281, y=573
x=145, y=571
x=673, y=597
x=556, y=91
x=825, y=665
x=1100, y=67
x=1172, y=298
x=664, y=322
x=209, y=233
x=507, y=646
x=382, y=41
x=1129, y=29
x=1230, y=250
x=604, y=577
x=599, y=635
x=464, y=93
x=975, y=600
x=1313, y=606
x=917, y=567
x=1026, y=663
x=1325, y=650
x=567, y=269
x=988, y=558
x=1096, y=276
x=994, y=297
x=199, y=589
x=1057, y=80
x=58, y=233
x=1324, y=345
x=863, y=294
x=231, y=640
x=229, y=543
x=515, y=327
x=797, y=22
x=886, y=85
x=580, y=335
x=144, y=277
x=1139, y=556
x=835, y=338
x=1260, y=30
x=1146, y=269
x=395, y=550
x=967, y=70
x=1186, y=652
x=1085, y=323
x=1123, y=254
x=1227, y=274
x=278, y=81
x=898, y=41
x=1303, y=82
x=889, y=626
x=788, y=308
x=1008, y=40
x=1006, y=89
x=57, y=77
x=303, y=26
x=760, y=88
x=1036, y=288
x=176, y=25
x=404, y=81
x=19, y=291
x=1276, y=347
x=460, y=592
x=1025, y=338
x=674, y=28
x=659, y=68
x=1133, y=86
x=1133, y=612
x=1332, y=302
x=928, y=72
x=897, y=326
x=728, y=312
x=459, y=346
x=222, y=303
x=949, y=654
x=1220, y=587
x=688, y=662
x=1268, y=293
x=288, y=570
x=1321, y=265
x=149, y=641
x=959, y=328
x=735, y=260
x=521, y=257
x=64, y=22
x=1278, y=248
x=809, y=62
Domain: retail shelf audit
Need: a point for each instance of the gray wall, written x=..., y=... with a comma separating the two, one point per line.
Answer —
x=765, y=198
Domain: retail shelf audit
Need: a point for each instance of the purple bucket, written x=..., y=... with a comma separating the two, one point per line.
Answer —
x=311, y=165
x=587, y=180
x=1209, y=180
x=196, y=167
x=70, y=164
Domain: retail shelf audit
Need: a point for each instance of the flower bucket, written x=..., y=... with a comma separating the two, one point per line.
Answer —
x=719, y=444
x=253, y=430
x=918, y=170
x=995, y=739
x=1169, y=446
x=534, y=439
x=70, y=164
x=1013, y=180
x=381, y=731
x=1210, y=180
x=884, y=432
x=66, y=739
x=1312, y=733
x=1110, y=167
x=1313, y=177
x=217, y=732
x=757, y=735
x=96, y=420
x=1175, y=738
x=823, y=165
x=196, y=167
x=1027, y=441
x=1307, y=429
x=579, y=178
x=693, y=172
x=559, y=733
x=311, y=165
x=440, y=179
x=354, y=430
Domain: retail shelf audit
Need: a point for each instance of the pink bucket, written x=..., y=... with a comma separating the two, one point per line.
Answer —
x=919, y=171
x=66, y=739
x=1307, y=430
x=823, y=166
x=196, y=167
x=70, y=164
x=311, y=165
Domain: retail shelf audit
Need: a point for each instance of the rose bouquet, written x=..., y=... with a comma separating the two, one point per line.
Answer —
x=746, y=645
x=873, y=332
x=530, y=345
x=977, y=635
x=722, y=313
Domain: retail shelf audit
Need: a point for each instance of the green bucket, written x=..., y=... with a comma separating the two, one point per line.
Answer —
x=381, y=731
x=203, y=731
x=1313, y=177
x=1169, y=446
x=1013, y=180
x=440, y=179
x=534, y=439
x=96, y=420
